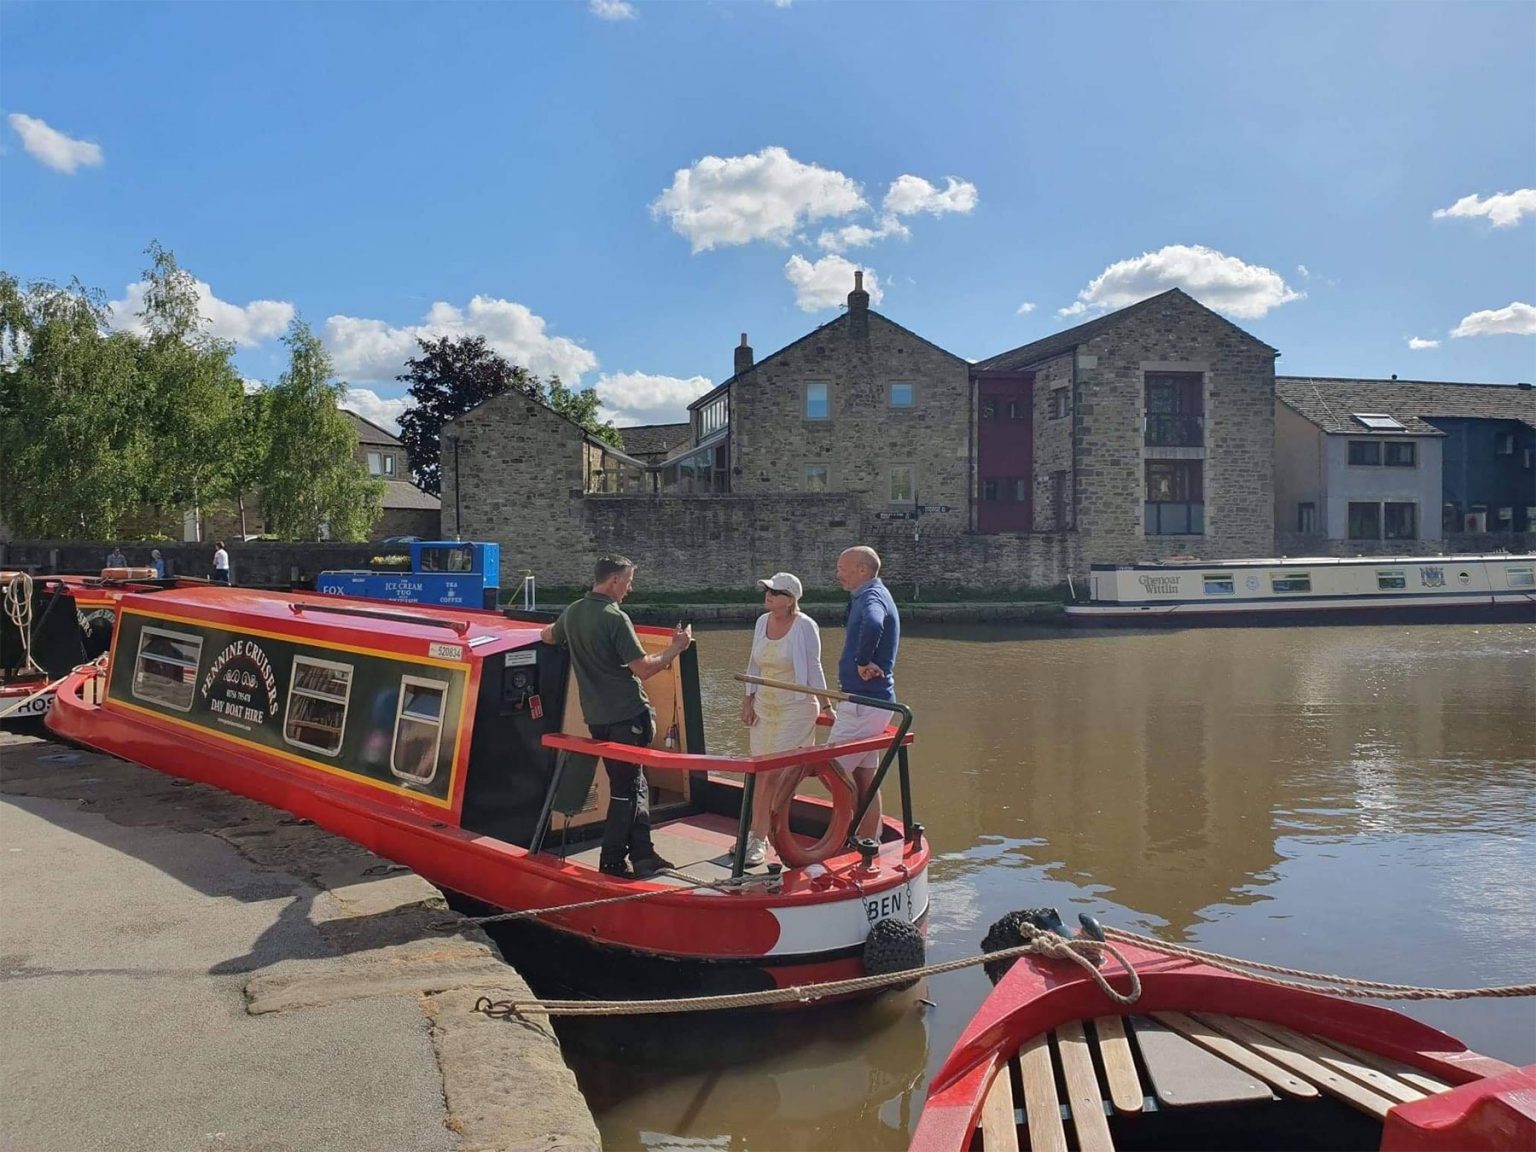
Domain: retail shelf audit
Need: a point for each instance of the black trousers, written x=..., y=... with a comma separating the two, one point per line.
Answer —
x=627, y=830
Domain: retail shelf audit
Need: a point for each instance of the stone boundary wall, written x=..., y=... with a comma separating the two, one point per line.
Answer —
x=1461, y=543
x=259, y=562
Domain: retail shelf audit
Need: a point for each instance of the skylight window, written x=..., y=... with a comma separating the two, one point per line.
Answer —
x=1378, y=421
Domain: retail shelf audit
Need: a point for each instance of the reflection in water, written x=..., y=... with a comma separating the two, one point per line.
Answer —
x=1351, y=800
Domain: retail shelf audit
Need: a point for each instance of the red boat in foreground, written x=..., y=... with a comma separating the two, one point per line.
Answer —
x=451, y=741
x=1208, y=1059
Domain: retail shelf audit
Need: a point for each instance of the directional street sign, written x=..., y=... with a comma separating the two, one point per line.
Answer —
x=922, y=509
x=895, y=515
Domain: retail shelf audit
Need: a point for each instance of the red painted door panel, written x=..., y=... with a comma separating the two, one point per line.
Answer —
x=1004, y=454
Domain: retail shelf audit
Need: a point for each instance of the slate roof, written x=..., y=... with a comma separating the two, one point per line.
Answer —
x=368, y=432
x=654, y=439
x=1329, y=402
x=1053, y=346
x=404, y=494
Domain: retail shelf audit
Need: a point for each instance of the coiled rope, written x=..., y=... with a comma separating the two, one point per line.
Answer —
x=18, y=606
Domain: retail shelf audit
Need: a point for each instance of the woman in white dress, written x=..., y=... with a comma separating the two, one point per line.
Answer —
x=785, y=646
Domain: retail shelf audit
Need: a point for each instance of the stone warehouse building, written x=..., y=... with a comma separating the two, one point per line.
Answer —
x=1147, y=432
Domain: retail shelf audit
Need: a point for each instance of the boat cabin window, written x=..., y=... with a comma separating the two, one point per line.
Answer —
x=1281, y=582
x=1391, y=581
x=166, y=672
x=1219, y=584
x=1520, y=575
x=418, y=729
x=317, y=704
x=446, y=560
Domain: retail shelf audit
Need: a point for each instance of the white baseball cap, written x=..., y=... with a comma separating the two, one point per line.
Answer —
x=784, y=582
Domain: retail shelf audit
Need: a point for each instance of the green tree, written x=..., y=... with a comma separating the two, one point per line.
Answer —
x=582, y=408
x=450, y=377
x=192, y=392
x=73, y=443
x=312, y=483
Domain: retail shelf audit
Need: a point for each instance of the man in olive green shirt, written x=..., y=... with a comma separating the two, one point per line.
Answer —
x=610, y=663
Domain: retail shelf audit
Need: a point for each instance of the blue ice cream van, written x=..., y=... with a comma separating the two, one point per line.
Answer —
x=460, y=574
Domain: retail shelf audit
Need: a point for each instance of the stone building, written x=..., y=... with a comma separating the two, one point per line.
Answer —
x=1403, y=465
x=407, y=510
x=1145, y=433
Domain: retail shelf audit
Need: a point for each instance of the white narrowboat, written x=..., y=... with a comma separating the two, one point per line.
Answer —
x=1323, y=589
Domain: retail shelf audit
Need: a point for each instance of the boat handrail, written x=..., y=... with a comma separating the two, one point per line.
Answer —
x=459, y=626
x=702, y=762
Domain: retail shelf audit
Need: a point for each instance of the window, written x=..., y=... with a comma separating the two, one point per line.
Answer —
x=418, y=729
x=1015, y=410
x=1219, y=584
x=1391, y=580
x=1364, y=452
x=1450, y=519
x=902, y=484
x=446, y=560
x=1506, y=518
x=1400, y=454
x=1020, y=485
x=1306, y=518
x=714, y=415
x=1059, y=498
x=1378, y=421
x=1287, y=583
x=317, y=704
x=1175, y=409
x=1400, y=521
x=989, y=491
x=1520, y=575
x=1175, y=501
x=166, y=671
x=1365, y=521
x=902, y=396
x=1177, y=480
x=381, y=463
x=815, y=477
x=817, y=403
x=1504, y=443
x=1059, y=403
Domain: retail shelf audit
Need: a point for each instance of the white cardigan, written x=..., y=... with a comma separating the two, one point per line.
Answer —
x=804, y=647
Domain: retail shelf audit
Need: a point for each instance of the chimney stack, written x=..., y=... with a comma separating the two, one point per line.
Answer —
x=743, y=355
x=858, y=307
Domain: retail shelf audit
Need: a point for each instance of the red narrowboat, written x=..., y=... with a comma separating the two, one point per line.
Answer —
x=1206, y=1058
x=451, y=742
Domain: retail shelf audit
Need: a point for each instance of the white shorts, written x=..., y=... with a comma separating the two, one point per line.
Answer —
x=858, y=722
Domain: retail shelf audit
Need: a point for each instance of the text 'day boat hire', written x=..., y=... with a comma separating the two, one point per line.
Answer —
x=1206, y=1058
x=1328, y=589
x=451, y=742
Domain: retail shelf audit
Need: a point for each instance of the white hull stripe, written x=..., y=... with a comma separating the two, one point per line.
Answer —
x=844, y=924
x=1302, y=604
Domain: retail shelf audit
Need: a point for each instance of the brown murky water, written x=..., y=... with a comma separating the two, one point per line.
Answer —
x=1351, y=800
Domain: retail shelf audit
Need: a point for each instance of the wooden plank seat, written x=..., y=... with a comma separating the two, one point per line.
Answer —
x=1082, y=1075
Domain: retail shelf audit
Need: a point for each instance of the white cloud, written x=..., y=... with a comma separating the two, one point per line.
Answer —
x=247, y=326
x=826, y=283
x=1516, y=320
x=253, y=386
x=374, y=350
x=611, y=9
x=1418, y=344
x=1503, y=209
x=765, y=196
x=370, y=405
x=858, y=236
x=52, y=148
x=1302, y=271
x=912, y=194
x=1218, y=281
x=1026, y=308
x=641, y=398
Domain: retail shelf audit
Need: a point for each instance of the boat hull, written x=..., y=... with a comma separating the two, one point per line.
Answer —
x=1343, y=612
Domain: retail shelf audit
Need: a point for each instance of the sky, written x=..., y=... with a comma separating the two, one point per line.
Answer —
x=615, y=191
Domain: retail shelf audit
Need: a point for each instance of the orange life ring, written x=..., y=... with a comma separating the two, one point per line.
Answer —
x=791, y=851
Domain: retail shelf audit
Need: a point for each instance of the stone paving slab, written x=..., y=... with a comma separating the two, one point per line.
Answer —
x=181, y=968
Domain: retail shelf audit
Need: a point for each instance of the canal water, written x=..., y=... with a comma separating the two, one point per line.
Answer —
x=1359, y=801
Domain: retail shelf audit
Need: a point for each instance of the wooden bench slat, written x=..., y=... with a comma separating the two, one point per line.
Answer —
x=1405, y=1072
x=999, y=1130
x=1083, y=1089
x=1234, y=1052
x=1119, y=1067
x=1042, y=1108
x=1340, y=1062
x=1184, y=1075
x=1350, y=1091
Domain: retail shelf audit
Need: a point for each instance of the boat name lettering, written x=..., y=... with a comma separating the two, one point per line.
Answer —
x=1160, y=585
x=238, y=671
x=884, y=907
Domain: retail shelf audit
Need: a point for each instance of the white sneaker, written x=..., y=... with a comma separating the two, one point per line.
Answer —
x=757, y=851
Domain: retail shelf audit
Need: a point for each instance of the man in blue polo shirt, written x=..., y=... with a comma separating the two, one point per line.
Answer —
x=867, y=667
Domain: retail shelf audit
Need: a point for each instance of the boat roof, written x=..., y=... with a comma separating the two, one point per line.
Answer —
x=1317, y=562
x=340, y=618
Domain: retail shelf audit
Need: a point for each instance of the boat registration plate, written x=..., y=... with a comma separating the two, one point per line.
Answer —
x=37, y=706
x=897, y=903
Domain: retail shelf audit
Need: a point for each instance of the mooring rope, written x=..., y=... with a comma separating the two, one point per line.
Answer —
x=1332, y=985
x=18, y=606
x=693, y=883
